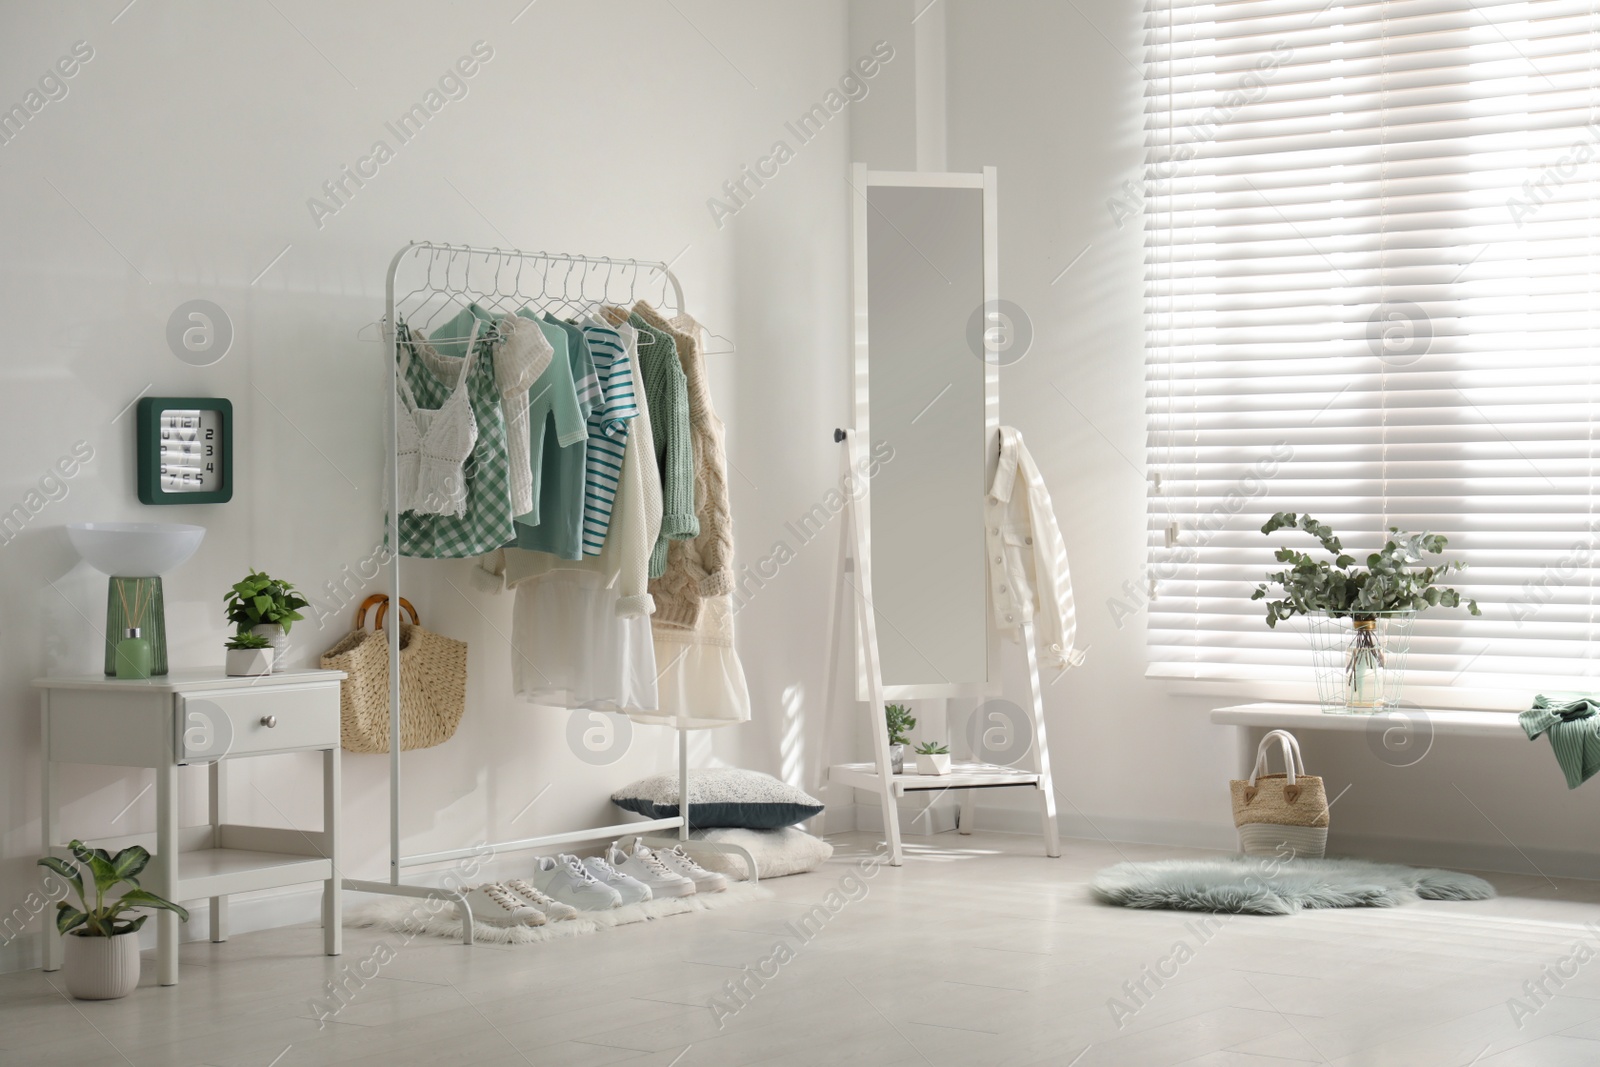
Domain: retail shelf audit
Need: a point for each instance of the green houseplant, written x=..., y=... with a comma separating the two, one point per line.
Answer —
x=262, y=604
x=102, y=949
x=1360, y=617
x=933, y=757
x=900, y=722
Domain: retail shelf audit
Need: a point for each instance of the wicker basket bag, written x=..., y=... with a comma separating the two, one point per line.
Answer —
x=1281, y=814
x=433, y=682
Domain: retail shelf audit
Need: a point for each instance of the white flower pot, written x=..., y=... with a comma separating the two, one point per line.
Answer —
x=273, y=632
x=933, y=763
x=249, y=662
x=101, y=968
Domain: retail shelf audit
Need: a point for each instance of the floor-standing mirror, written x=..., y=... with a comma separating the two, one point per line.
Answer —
x=926, y=415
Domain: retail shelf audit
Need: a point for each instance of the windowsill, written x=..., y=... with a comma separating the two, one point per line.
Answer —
x=1498, y=724
x=1510, y=696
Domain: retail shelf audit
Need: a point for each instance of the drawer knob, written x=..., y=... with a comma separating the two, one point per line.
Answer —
x=269, y=721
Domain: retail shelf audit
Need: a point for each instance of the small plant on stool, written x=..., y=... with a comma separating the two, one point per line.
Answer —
x=933, y=757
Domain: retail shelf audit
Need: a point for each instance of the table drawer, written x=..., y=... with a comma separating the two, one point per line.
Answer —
x=235, y=722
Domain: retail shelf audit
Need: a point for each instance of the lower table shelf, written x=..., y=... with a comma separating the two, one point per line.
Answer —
x=212, y=872
x=965, y=775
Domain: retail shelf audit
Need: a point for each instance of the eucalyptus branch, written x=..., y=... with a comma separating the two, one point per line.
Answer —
x=1392, y=580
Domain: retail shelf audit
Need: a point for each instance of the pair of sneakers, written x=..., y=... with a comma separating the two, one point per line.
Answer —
x=587, y=884
x=668, y=872
x=515, y=903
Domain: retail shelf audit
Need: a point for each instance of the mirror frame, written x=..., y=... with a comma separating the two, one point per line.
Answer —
x=861, y=180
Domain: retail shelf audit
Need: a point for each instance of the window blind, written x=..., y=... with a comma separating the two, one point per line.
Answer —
x=1371, y=249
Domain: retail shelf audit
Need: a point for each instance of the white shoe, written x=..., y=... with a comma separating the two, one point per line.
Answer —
x=569, y=881
x=682, y=863
x=553, y=909
x=645, y=867
x=496, y=906
x=629, y=888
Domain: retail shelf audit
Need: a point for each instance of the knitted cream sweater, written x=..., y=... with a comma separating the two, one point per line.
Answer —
x=702, y=567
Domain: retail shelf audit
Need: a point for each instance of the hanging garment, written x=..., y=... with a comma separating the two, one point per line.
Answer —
x=519, y=361
x=432, y=374
x=700, y=681
x=667, y=391
x=555, y=416
x=608, y=431
x=1574, y=734
x=559, y=529
x=581, y=634
x=431, y=447
x=701, y=567
x=635, y=522
x=1028, y=576
x=571, y=649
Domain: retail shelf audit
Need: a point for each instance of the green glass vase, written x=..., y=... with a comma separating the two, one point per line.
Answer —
x=136, y=603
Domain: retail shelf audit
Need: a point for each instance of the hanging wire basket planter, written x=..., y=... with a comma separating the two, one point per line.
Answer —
x=1360, y=659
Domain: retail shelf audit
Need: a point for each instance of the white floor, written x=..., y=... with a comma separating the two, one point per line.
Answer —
x=978, y=951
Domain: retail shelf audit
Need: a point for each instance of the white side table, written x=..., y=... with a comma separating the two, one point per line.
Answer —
x=201, y=717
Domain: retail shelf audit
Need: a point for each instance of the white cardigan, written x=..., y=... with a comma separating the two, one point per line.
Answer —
x=1028, y=577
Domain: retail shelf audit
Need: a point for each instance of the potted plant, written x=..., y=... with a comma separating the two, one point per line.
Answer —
x=1360, y=617
x=267, y=606
x=249, y=655
x=102, y=945
x=901, y=722
x=933, y=757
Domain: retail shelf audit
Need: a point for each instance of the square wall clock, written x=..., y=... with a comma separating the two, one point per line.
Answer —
x=185, y=450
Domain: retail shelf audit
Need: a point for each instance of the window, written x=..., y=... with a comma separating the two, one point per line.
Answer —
x=1372, y=243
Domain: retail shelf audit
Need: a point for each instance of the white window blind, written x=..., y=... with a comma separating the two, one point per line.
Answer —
x=1372, y=248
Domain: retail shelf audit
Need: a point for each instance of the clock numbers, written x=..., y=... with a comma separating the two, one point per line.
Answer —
x=188, y=450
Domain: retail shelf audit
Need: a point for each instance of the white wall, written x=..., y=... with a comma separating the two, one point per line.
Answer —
x=179, y=166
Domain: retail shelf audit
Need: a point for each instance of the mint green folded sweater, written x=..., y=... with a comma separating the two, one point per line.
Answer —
x=1574, y=734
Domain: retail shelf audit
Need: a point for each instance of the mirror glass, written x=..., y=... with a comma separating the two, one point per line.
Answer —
x=926, y=401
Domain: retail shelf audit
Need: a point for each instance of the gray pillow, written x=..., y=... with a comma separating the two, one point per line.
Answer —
x=724, y=796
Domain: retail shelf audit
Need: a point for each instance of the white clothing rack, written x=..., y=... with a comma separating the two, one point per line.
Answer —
x=494, y=278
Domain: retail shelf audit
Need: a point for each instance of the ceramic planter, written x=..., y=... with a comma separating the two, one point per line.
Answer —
x=897, y=759
x=101, y=968
x=249, y=662
x=933, y=763
x=273, y=632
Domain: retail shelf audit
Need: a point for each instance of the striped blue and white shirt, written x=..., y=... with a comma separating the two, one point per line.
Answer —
x=608, y=431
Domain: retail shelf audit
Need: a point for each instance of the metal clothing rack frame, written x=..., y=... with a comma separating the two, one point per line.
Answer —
x=449, y=285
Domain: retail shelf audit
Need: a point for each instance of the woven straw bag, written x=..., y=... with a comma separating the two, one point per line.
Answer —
x=433, y=682
x=1281, y=814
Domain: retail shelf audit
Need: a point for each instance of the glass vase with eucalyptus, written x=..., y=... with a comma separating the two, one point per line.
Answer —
x=1359, y=618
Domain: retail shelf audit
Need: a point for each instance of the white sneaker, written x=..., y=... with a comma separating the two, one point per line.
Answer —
x=645, y=867
x=569, y=881
x=682, y=863
x=553, y=909
x=494, y=905
x=631, y=889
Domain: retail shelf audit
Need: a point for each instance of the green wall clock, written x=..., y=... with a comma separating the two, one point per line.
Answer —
x=185, y=450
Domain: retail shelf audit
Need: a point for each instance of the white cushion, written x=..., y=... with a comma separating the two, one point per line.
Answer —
x=777, y=852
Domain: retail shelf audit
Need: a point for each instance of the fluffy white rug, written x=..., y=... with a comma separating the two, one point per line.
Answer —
x=1262, y=885
x=438, y=918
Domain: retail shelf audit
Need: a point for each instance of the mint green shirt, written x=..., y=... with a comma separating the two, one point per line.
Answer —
x=556, y=420
x=559, y=469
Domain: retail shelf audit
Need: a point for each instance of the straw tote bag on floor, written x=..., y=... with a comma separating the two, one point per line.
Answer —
x=433, y=682
x=1281, y=814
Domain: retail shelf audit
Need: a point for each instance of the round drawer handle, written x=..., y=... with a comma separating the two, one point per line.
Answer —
x=269, y=721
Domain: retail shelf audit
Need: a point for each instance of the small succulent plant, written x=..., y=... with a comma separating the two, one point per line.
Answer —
x=933, y=748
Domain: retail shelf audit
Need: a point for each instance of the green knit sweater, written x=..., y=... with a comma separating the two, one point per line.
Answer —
x=666, y=389
x=1574, y=734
